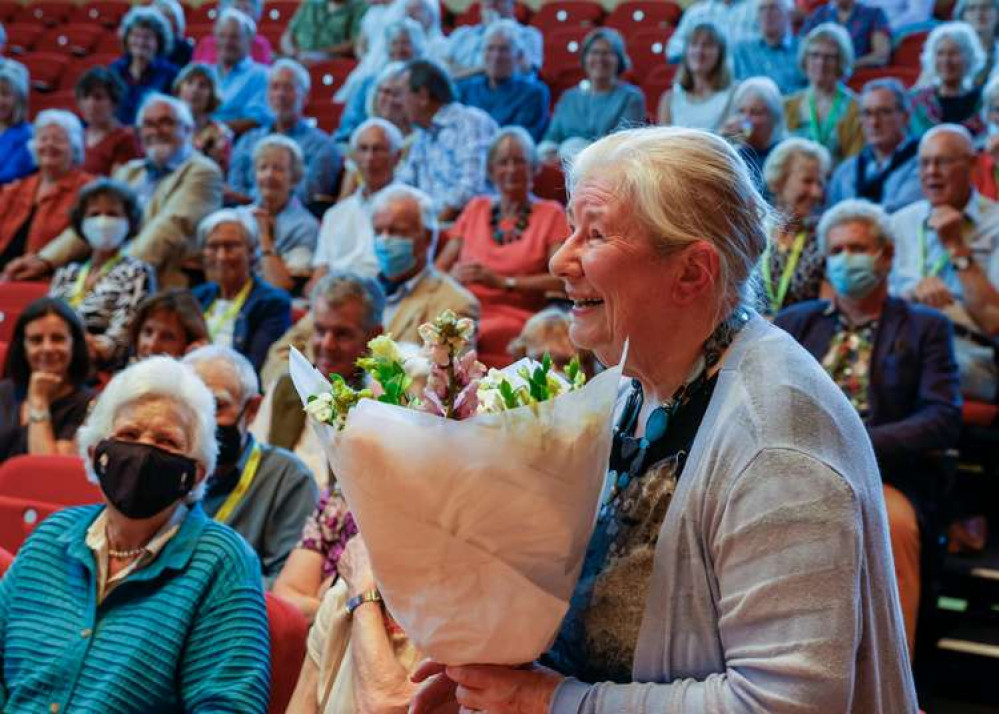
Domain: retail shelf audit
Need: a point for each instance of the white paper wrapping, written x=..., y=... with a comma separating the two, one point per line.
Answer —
x=476, y=529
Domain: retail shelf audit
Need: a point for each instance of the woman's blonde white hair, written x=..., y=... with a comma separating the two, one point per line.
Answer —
x=71, y=126
x=778, y=165
x=830, y=32
x=856, y=210
x=962, y=34
x=683, y=186
x=280, y=141
x=159, y=378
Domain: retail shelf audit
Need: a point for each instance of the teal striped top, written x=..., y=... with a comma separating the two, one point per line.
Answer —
x=186, y=633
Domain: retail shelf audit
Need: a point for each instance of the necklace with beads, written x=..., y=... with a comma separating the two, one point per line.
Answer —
x=502, y=237
x=123, y=554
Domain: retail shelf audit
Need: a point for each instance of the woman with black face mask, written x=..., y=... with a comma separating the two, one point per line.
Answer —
x=141, y=603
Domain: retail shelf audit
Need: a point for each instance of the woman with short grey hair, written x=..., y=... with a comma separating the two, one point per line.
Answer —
x=146, y=40
x=756, y=124
x=946, y=92
x=36, y=209
x=241, y=310
x=260, y=49
x=826, y=111
x=15, y=131
x=169, y=603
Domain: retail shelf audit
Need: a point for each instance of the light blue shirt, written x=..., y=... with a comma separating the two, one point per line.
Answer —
x=295, y=233
x=322, y=159
x=244, y=92
x=521, y=101
x=756, y=58
x=581, y=113
x=901, y=187
x=465, y=44
x=447, y=161
x=913, y=262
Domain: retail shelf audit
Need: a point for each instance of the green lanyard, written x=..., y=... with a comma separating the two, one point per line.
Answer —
x=924, y=255
x=776, y=301
x=216, y=323
x=79, y=287
x=821, y=132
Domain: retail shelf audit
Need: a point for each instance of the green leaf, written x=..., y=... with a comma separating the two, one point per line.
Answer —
x=509, y=396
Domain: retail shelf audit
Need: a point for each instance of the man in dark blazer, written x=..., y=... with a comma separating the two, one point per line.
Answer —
x=895, y=362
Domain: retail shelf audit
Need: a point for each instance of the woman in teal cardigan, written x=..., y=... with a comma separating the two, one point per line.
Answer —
x=141, y=604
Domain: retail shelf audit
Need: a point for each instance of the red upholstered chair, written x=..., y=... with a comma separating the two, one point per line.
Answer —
x=70, y=39
x=22, y=36
x=10, y=11
x=860, y=77
x=326, y=114
x=549, y=183
x=328, y=76
x=289, y=632
x=59, y=480
x=658, y=81
x=647, y=49
x=564, y=13
x=45, y=68
x=110, y=44
x=6, y=558
x=278, y=12
x=48, y=12
x=106, y=13
x=908, y=50
x=204, y=13
x=563, y=48
x=634, y=15
x=40, y=101
x=14, y=297
x=3, y=358
x=18, y=517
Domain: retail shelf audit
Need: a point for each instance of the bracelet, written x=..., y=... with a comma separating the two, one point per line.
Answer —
x=37, y=416
x=358, y=600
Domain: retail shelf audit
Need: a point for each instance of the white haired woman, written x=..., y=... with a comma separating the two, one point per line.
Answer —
x=793, y=268
x=15, y=131
x=740, y=559
x=946, y=93
x=826, y=111
x=288, y=231
x=756, y=124
x=146, y=40
x=36, y=209
x=142, y=602
x=241, y=310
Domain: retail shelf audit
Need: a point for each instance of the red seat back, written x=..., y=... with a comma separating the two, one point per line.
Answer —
x=14, y=297
x=106, y=13
x=563, y=50
x=58, y=480
x=289, y=632
x=6, y=558
x=18, y=517
x=642, y=14
x=3, y=359
x=328, y=76
x=22, y=36
x=45, y=68
x=909, y=49
x=565, y=13
x=647, y=49
x=860, y=77
x=326, y=114
x=48, y=12
x=73, y=39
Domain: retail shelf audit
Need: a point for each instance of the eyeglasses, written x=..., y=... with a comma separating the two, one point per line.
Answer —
x=822, y=56
x=157, y=124
x=227, y=247
x=881, y=113
x=940, y=162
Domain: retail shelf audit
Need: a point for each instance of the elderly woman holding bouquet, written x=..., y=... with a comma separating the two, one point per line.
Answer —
x=141, y=603
x=740, y=559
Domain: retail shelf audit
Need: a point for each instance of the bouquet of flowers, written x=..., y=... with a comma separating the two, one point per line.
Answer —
x=476, y=496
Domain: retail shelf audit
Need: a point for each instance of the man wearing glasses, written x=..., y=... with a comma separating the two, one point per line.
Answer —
x=177, y=187
x=886, y=170
x=947, y=254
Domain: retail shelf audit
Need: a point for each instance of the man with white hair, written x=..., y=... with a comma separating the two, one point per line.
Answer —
x=262, y=492
x=509, y=98
x=947, y=254
x=895, y=363
x=242, y=81
x=346, y=238
x=886, y=171
x=288, y=86
x=405, y=229
x=465, y=45
x=774, y=53
x=176, y=186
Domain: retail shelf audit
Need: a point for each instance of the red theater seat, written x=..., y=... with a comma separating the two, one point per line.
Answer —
x=53, y=479
x=563, y=13
x=14, y=297
x=289, y=632
x=634, y=15
x=19, y=517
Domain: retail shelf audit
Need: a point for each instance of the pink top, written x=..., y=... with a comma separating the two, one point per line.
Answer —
x=207, y=51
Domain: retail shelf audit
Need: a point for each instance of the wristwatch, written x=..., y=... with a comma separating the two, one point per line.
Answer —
x=510, y=283
x=358, y=600
x=36, y=416
x=960, y=262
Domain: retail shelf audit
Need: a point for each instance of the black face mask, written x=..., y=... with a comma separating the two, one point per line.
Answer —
x=230, y=441
x=141, y=480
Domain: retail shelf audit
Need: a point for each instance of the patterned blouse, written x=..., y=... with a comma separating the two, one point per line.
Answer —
x=848, y=361
x=806, y=280
x=107, y=308
x=328, y=530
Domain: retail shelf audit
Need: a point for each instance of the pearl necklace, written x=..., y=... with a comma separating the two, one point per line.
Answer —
x=133, y=553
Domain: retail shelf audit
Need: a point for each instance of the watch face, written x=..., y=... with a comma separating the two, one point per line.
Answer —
x=961, y=262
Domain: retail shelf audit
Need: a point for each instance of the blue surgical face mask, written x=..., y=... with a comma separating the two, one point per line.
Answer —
x=853, y=275
x=395, y=255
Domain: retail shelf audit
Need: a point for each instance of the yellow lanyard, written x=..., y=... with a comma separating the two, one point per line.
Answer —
x=245, y=479
x=217, y=322
x=776, y=301
x=79, y=287
x=924, y=251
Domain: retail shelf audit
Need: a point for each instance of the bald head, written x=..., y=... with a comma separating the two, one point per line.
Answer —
x=946, y=163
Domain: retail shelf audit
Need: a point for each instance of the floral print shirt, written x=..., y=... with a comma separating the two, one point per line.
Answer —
x=848, y=361
x=328, y=530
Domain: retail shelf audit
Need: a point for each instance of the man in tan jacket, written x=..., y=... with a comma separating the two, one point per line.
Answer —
x=176, y=186
x=405, y=228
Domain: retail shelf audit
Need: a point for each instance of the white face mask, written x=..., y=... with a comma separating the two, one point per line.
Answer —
x=105, y=232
